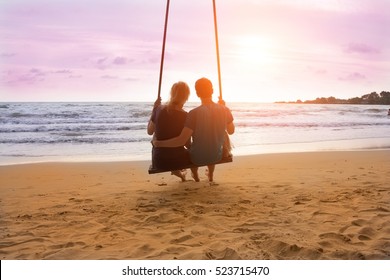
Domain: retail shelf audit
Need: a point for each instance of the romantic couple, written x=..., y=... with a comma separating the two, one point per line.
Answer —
x=198, y=137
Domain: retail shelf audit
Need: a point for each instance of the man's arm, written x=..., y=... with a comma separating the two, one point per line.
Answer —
x=230, y=128
x=178, y=141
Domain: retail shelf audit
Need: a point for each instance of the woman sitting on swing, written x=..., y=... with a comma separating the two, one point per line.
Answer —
x=167, y=121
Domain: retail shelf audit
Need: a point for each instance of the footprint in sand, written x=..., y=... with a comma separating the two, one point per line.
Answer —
x=181, y=239
x=366, y=233
x=363, y=237
x=225, y=254
x=335, y=236
x=163, y=218
x=143, y=250
x=354, y=223
x=143, y=205
x=359, y=222
x=67, y=245
x=198, y=209
x=260, y=236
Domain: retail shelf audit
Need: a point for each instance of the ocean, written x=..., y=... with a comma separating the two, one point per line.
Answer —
x=47, y=132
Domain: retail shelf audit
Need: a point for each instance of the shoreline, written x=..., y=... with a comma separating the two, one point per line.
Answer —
x=148, y=161
x=375, y=144
x=312, y=205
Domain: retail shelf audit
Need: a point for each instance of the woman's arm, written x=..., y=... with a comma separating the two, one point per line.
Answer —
x=151, y=127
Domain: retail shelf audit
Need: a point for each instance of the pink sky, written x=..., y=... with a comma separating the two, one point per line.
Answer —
x=271, y=50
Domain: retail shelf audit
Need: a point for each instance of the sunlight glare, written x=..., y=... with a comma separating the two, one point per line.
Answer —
x=254, y=49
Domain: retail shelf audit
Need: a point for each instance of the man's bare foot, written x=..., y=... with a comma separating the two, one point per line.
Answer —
x=195, y=176
x=209, y=175
x=181, y=174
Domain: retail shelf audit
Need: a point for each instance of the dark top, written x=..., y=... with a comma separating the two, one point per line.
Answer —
x=169, y=124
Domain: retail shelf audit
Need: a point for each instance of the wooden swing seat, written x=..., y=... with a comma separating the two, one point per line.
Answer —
x=153, y=170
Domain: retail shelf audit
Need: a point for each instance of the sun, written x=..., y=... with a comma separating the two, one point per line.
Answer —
x=254, y=49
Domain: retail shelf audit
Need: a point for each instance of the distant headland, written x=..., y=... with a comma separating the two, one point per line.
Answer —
x=382, y=98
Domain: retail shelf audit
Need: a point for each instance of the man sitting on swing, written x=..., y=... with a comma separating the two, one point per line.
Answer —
x=207, y=124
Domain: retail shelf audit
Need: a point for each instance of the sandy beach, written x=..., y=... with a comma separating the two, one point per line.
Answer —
x=320, y=205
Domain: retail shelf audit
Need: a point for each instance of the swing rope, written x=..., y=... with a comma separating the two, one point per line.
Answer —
x=163, y=51
x=217, y=47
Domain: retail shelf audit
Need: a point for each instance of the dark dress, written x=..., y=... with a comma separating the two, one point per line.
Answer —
x=169, y=125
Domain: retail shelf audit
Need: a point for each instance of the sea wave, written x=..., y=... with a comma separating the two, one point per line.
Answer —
x=120, y=128
x=73, y=138
x=85, y=127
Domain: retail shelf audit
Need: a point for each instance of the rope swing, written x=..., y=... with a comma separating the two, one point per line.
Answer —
x=227, y=159
x=163, y=51
x=217, y=47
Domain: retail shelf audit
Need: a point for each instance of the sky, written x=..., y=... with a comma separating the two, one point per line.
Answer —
x=270, y=50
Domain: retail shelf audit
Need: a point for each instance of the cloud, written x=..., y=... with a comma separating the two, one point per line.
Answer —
x=26, y=77
x=355, y=76
x=100, y=63
x=120, y=60
x=317, y=71
x=361, y=48
x=131, y=79
x=109, y=77
x=7, y=55
x=63, y=71
x=36, y=72
x=105, y=62
x=321, y=72
x=75, y=76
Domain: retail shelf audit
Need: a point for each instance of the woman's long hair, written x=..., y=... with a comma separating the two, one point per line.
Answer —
x=180, y=92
